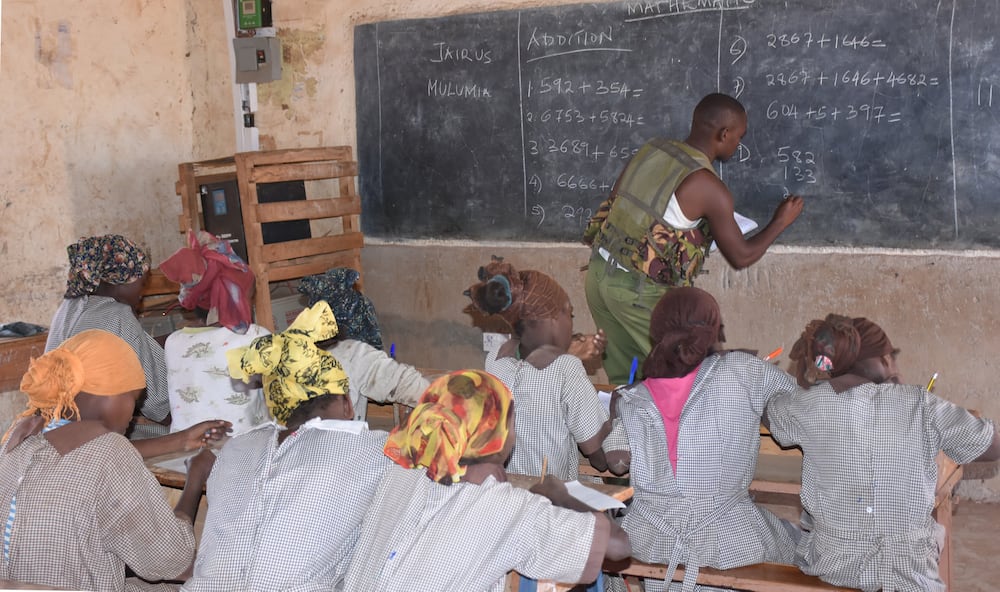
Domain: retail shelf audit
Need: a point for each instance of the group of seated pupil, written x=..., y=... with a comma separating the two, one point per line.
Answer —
x=304, y=496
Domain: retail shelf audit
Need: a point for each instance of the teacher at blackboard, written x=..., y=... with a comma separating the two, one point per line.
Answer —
x=654, y=232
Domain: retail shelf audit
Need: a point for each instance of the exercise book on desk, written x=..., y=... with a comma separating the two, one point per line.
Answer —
x=593, y=498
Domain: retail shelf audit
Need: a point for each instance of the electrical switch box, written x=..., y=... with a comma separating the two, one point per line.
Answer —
x=254, y=14
x=258, y=59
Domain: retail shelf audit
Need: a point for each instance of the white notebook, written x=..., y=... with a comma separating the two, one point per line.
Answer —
x=593, y=498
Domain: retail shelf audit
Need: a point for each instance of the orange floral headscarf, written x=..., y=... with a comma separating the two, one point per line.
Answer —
x=464, y=414
x=94, y=362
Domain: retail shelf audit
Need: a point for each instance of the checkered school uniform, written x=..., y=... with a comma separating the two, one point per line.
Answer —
x=704, y=516
x=76, y=315
x=554, y=408
x=421, y=535
x=287, y=517
x=868, y=479
x=82, y=517
x=376, y=376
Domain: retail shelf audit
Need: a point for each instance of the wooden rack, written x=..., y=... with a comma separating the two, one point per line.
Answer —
x=340, y=240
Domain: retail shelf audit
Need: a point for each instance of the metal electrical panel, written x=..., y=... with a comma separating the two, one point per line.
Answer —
x=258, y=59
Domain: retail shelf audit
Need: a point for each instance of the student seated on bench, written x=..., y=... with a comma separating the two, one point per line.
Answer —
x=869, y=444
x=286, y=499
x=693, y=431
x=374, y=374
x=218, y=286
x=79, y=504
x=558, y=409
x=446, y=519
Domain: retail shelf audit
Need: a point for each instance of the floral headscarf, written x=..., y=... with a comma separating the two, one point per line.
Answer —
x=294, y=369
x=355, y=313
x=464, y=414
x=111, y=258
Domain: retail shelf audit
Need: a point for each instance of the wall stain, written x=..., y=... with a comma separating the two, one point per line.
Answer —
x=55, y=55
x=300, y=49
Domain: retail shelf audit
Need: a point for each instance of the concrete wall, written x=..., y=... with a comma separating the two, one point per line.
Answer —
x=100, y=100
x=941, y=308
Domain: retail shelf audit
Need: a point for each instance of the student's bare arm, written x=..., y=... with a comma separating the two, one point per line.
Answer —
x=619, y=546
x=703, y=195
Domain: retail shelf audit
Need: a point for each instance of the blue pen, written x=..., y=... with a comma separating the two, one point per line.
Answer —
x=631, y=374
x=392, y=350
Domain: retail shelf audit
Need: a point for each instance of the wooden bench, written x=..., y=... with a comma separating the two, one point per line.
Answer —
x=768, y=577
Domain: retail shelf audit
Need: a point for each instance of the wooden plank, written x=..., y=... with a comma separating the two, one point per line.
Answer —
x=15, y=355
x=310, y=209
x=157, y=284
x=320, y=264
x=311, y=246
x=769, y=577
x=296, y=155
x=304, y=171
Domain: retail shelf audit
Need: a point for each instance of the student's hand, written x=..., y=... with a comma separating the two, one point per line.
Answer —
x=589, y=348
x=205, y=433
x=199, y=466
x=552, y=488
x=788, y=210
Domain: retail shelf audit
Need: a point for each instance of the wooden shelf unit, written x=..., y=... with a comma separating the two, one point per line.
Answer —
x=291, y=259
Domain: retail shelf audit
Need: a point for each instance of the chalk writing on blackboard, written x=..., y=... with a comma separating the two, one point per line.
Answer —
x=515, y=124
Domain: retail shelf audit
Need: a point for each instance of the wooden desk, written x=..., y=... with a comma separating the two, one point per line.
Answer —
x=15, y=355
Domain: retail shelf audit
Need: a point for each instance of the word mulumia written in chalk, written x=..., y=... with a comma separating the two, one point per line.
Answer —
x=444, y=88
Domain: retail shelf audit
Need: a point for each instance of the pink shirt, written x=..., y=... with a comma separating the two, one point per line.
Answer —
x=669, y=395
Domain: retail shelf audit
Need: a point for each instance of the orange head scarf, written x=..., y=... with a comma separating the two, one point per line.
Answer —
x=94, y=362
x=463, y=414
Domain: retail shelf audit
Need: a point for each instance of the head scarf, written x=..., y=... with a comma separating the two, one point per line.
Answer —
x=294, y=369
x=461, y=415
x=874, y=342
x=826, y=348
x=355, y=313
x=95, y=362
x=111, y=258
x=684, y=326
x=212, y=277
x=517, y=295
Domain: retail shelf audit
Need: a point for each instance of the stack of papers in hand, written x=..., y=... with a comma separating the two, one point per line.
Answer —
x=593, y=498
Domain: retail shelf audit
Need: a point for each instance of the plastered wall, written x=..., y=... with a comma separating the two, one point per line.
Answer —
x=100, y=100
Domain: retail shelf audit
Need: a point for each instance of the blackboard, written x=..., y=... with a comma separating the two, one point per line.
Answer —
x=514, y=124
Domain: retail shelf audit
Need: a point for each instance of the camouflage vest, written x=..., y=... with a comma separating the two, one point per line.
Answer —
x=630, y=224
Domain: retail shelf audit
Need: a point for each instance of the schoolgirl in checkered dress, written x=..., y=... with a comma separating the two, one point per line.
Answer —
x=558, y=409
x=869, y=444
x=689, y=433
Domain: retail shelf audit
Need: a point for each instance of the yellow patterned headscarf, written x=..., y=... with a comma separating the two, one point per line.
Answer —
x=461, y=415
x=294, y=369
x=94, y=362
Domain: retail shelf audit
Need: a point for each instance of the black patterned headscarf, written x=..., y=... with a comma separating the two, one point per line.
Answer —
x=112, y=259
x=355, y=313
